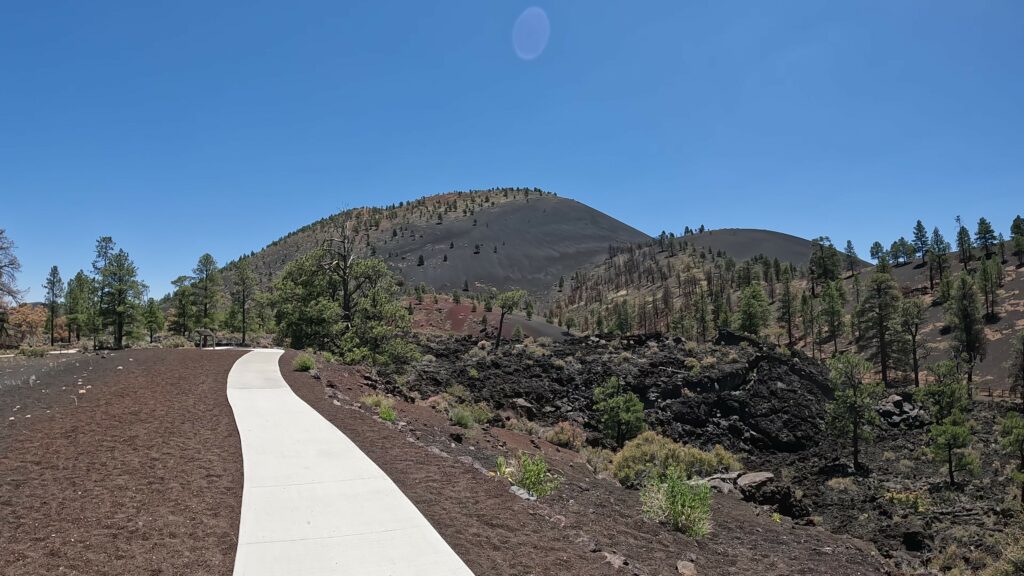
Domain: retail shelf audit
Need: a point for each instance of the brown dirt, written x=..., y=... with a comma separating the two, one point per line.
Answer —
x=446, y=317
x=142, y=476
x=588, y=526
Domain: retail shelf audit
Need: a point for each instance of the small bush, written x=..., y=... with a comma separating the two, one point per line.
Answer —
x=466, y=415
x=599, y=459
x=692, y=366
x=532, y=474
x=523, y=426
x=377, y=401
x=916, y=501
x=686, y=506
x=566, y=435
x=387, y=413
x=176, y=342
x=303, y=363
x=651, y=455
x=844, y=484
x=459, y=393
x=32, y=352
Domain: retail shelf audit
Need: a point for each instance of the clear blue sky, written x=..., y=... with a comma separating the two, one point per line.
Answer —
x=183, y=127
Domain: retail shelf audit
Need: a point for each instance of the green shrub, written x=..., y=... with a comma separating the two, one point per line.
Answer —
x=466, y=415
x=916, y=501
x=377, y=401
x=566, y=435
x=32, y=352
x=599, y=459
x=651, y=455
x=303, y=363
x=532, y=474
x=459, y=392
x=684, y=505
x=176, y=342
x=387, y=413
x=620, y=413
x=523, y=426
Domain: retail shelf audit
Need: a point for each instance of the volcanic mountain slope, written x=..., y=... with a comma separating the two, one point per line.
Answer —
x=745, y=243
x=500, y=239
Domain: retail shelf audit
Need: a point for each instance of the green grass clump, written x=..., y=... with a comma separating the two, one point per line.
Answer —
x=468, y=415
x=303, y=363
x=673, y=499
x=532, y=474
x=387, y=413
x=376, y=401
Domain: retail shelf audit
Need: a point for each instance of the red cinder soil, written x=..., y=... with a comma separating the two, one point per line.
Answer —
x=140, y=474
x=590, y=525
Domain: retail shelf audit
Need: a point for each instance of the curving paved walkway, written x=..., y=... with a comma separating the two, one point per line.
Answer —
x=312, y=502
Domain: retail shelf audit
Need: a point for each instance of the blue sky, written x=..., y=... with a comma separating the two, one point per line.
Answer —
x=184, y=127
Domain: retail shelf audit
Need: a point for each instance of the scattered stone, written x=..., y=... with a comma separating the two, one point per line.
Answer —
x=686, y=568
x=754, y=480
x=720, y=486
x=615, y=559
x=522, y=493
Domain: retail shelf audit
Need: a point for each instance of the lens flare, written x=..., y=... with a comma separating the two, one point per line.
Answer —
x=531, y=32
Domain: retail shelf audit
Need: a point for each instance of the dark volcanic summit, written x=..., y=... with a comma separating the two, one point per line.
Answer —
x=518, y=244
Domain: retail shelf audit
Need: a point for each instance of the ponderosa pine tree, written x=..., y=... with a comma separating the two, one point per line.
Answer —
x=508, y=302
x=851, y=414
x=877, y=319
x=1017, y=235
x=786, y=313
x=754, y=314
x=809, y=320
x=938, y=251
x=825, y=263
x=947, y=401
x=833, y=303
x=910, y=320
x=153, y=318
x=964, y=317
x=989, y=278
x=183, y=306
x=964, y=245
x=921, y=242
x=119, y=282
x=207, y=289
x=1011, y=439
x=54, y=293
x=985, y=236
x=1015, y=367
x=620, y=413
x=877, y=250
x=79, y=304
x=243, y=290
x=851, y=257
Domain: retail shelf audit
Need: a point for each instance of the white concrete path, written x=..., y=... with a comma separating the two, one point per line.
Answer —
x=312, y=502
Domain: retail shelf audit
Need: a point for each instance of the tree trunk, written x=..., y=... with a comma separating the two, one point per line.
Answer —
x=949, y=465
x=917, y=377
x=243, y=322
x=856, y=445
x=501, y=324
